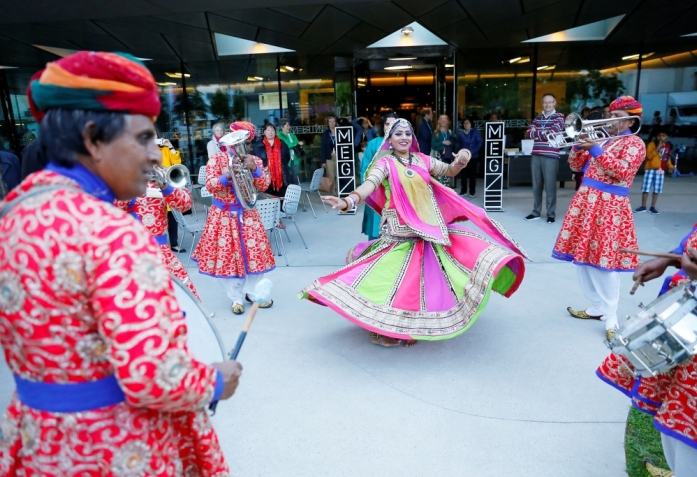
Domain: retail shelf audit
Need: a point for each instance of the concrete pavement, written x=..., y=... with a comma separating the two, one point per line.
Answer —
x=515, y=395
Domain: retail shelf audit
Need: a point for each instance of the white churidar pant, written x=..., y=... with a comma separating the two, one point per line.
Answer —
x=602, y=289
x=236, y=288
x=681, y=458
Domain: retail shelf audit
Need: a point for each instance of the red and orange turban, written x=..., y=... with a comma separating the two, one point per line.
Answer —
x=94, y=81
x=627, y=103
x=246, y=126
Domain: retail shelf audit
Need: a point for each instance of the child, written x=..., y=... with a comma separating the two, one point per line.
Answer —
x=657, y=161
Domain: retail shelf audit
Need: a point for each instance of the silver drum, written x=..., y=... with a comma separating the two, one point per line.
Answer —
x=662, y=335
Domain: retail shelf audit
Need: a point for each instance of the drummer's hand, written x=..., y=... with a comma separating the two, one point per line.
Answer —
x=249, y=162
x=689, y=263
x=232, y=370
x=651, y=269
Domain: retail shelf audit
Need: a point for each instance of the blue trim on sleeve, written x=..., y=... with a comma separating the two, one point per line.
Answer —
x=257, y=173
x=219, y=385
x=168, y=190
x=596, y=151
x=224, y=180
x=675, y=435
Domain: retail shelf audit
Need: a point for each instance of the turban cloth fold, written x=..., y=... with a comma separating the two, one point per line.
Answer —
x=627, y=103
x=94, y=81
x=244, y=126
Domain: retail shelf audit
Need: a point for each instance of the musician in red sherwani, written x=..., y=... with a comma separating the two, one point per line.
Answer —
x=670, y=397
x=234, y=246
x=599, y=220
x=89, y=321
x=151, y=210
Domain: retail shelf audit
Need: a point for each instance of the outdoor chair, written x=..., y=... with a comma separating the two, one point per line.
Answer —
x=268, y=211
x=290, y=207
x=314, y=187
x=188, y=228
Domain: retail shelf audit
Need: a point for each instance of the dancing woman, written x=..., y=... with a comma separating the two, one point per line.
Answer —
x=426, y=277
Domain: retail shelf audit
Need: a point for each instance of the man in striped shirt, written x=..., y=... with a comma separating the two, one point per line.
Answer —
x=545, y=158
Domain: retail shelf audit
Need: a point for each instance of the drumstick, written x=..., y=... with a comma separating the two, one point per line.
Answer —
x=262, y=293
x=637, y=282
x=672, y=256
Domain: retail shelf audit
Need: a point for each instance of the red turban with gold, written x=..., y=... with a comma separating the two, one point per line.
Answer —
x=94, y=81
x=245, y=126
x=627, y=103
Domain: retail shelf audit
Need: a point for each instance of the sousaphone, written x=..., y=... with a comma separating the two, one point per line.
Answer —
x=245, y=190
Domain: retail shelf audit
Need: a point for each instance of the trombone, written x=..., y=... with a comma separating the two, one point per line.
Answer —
x=594, y=131
x=177, y=176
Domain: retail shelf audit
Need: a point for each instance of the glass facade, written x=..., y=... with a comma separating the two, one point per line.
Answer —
x=471, y=84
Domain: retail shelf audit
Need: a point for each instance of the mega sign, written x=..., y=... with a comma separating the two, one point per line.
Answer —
x=345, y=162
x=493, y=166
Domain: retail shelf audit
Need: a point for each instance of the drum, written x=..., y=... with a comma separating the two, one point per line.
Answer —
x=662, y=335
x=203, y=339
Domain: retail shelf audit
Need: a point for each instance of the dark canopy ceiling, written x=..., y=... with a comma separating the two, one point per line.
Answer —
x=487, y=32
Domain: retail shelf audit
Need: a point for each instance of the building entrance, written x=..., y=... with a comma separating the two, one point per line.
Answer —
x=404, y=85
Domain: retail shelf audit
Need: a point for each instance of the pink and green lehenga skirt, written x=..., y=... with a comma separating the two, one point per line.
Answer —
x=415, y=289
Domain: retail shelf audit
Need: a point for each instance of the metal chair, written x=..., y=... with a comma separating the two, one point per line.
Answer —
x=188, y=228
x=314, y=187
x=205, y=194
x=268, y=211
x=201, y=175
x=290, y=207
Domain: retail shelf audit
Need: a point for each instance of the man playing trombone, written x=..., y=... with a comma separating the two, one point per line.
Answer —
x=599, y=220
x=151, y=209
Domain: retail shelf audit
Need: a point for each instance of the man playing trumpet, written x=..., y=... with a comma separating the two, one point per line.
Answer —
x=234, y=246
x=599, y=220
x=151, y=210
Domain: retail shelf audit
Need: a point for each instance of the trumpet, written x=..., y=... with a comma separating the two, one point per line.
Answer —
x=594, y=131
x=177, y=175
x=245, y=190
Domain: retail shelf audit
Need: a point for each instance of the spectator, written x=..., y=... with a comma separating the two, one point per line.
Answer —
x=33, y=158
x=291, y=140
x=424, y=133
x=493, y=117
x=470, y=139
x=327, y=152
x=11, y=171
x=657, y=163
x=213, y=146
x=545, y=158
x=606, y=111
x=275, y=155
x=585, y=112
x=175, y=138
x=363, y=130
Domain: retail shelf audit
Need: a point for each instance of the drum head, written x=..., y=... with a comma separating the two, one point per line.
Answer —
x=203, y=339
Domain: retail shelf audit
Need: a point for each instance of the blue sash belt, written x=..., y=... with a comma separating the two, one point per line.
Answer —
x=161, y=239
x=70, y=397
x=605, y=187
x=227, y=205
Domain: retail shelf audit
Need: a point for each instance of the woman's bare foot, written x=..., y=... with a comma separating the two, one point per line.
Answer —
x=409, y=343
x=385, y=341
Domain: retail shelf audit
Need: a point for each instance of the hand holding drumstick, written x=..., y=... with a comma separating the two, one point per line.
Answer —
x=654, y=268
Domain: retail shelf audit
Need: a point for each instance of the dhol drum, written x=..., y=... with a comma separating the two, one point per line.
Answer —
x=662, y=335
x=203, y=339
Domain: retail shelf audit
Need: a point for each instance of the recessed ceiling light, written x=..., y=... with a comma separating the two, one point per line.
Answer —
x=407, y=30
x=546, y=67
x=255, y=78
x=8, y=67
x=402, y=58
x=636, y=56
x=166, y=83
x=520, y=59
x=689, y=34
x=178, y=75
x=449, y=65
x=400, y=67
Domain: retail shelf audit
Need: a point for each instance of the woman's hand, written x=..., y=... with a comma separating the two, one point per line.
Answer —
x=335, y=202
x=447, y=142
x=462, y=158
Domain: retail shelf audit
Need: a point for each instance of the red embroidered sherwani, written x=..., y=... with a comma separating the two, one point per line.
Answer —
x=152, y=212
x=84, y=296
x=599, y=223
x=222, y=252
x=671, y=397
